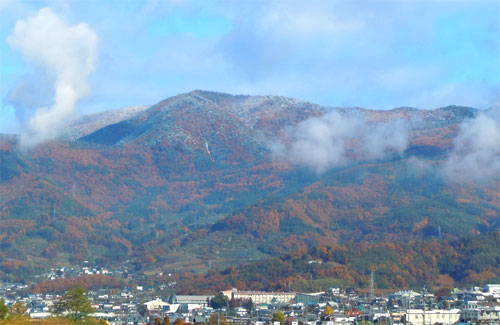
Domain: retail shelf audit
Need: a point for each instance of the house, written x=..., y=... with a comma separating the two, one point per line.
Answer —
x=240, y=311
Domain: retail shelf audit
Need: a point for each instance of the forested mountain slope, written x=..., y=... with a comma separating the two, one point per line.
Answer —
x=209, y=175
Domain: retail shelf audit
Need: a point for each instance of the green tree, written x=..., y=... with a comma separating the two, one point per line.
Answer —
x=219, y=301
x=249, y=305
x=278, y=317
x=74, y=303
x=4, y=309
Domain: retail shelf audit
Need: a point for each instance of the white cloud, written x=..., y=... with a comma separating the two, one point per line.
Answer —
x=420, y=166
x=476, y=153
x=334, y=140
x=306, y=20
x=68, y=55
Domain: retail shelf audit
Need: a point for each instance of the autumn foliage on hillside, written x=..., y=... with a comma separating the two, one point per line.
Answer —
x=90, y=281
x=369, y=202
x=467, y=260
x=192, y=178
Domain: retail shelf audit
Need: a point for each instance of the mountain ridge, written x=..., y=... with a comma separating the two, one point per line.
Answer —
x=194, y=174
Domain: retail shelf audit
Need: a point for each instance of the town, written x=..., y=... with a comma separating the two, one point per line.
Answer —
x=146, y=304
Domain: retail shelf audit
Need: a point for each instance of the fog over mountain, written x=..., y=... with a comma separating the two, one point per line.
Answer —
x=476, y=149
x=334, y=140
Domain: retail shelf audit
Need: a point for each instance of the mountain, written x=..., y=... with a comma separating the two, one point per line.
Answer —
x=194, y=177
x=87, y=124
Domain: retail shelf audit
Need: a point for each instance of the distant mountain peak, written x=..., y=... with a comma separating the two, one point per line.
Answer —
x=185, y=115
x=90, y=123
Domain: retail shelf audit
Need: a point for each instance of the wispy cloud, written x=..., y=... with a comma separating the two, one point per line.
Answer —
x=476, y=152
x=304, y=21
x=334, y=140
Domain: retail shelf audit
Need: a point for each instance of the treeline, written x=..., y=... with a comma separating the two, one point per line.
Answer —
x=89, y=281
x=472, y=259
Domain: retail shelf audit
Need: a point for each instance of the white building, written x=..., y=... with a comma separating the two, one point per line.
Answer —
x=404, y=294
x=156, y=304
x=40, y=315
x=260, y=297
x=193, y=299
x=492, y=290
x=189, y=303
x=480, y=314
x=423, y=317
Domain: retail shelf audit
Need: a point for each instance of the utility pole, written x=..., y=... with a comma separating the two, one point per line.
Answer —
x=424, y=292
x=372, y=289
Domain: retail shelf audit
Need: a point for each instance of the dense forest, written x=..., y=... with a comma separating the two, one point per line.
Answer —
x=469, y=260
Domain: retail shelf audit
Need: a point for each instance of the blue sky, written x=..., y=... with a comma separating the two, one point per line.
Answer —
x=373, y=54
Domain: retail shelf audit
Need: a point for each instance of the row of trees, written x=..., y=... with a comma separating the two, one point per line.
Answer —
x=72, y=308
